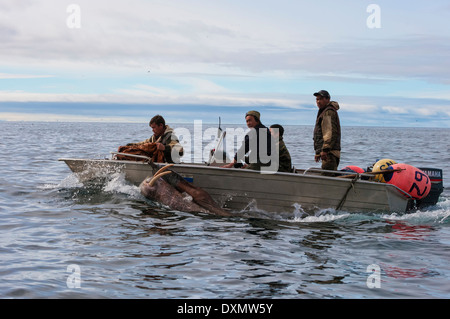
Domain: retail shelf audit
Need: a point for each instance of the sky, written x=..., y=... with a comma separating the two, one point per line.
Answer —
x=386, y=62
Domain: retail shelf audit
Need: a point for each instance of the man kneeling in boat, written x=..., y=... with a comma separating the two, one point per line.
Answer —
x=259, y=145
x=285, y=162
x=165, y=140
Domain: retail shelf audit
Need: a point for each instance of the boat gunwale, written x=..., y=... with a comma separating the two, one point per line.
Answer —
x=237, y=170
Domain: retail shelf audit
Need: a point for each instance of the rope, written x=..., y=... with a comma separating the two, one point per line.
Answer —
x=352, y=183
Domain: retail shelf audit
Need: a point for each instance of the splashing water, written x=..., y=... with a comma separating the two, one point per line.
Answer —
x=118, y=184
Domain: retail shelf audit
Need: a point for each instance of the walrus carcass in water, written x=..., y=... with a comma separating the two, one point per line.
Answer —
x=168, y=190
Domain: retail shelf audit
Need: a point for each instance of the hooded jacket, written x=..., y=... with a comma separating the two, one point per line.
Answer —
x=327, y=131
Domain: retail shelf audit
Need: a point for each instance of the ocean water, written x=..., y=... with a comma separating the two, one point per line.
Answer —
x=62, y=239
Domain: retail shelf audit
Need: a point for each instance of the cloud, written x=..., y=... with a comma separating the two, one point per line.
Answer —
x=434, y=110
x=10, y=76
x=156, y=96
x=52, y=117
x=395, y=109
x=22, y=96
x=137, y=33
x=358, y=107
x=228, y=53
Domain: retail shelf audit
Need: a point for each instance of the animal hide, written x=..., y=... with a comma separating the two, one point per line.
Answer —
x=147, y=149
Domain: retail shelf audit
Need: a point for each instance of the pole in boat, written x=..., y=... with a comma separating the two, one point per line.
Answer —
x=221, y=135
x=148, y=160
x=386, y=171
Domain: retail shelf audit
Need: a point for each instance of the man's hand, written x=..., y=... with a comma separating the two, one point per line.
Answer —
x=160, y=146
x=322, y=156
x=229, y=165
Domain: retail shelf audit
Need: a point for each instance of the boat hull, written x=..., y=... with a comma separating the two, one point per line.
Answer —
x=241, y=189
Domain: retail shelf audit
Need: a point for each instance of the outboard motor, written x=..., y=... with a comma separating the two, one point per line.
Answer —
x=437, y=187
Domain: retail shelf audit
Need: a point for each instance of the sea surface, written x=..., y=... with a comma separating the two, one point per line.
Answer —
x=62, y=239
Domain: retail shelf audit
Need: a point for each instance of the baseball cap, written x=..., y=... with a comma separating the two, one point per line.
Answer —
x=323, y=93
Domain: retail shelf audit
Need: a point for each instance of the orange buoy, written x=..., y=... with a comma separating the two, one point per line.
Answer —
x=410, y=179
x=353, y=169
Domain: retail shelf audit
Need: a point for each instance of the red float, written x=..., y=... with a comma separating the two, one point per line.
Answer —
x=354, y=169
x=410, y=179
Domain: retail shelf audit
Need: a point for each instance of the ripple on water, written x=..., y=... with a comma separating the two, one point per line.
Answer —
x=129, y=247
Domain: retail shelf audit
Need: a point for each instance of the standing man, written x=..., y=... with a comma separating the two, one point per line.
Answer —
x=165, y=139
x=327, y=132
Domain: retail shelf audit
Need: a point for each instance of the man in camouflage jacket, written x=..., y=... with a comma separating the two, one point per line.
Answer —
x=327, y=132
x=165, y=139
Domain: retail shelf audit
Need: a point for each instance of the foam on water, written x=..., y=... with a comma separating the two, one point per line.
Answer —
x=297, y=215
x=440, y=213
x=325, y=218
x=321, y=216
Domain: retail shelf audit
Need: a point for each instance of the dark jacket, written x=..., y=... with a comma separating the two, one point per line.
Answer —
x=258, y=154
x=285, y=162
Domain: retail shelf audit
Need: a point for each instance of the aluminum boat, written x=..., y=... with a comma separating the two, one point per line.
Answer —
x=238, y=189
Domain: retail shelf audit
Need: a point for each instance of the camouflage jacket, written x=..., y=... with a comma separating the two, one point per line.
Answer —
x=171, y=143
x=327, y=132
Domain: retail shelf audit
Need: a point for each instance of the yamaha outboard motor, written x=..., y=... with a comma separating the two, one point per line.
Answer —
x=437, y=187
